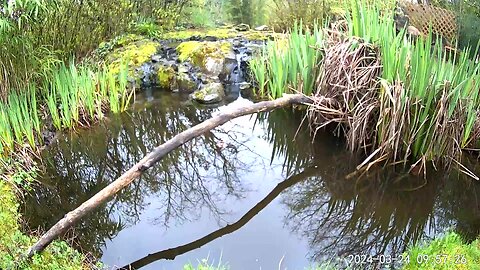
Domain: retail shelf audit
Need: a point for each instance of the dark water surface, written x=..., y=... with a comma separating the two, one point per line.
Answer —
x=287, y=201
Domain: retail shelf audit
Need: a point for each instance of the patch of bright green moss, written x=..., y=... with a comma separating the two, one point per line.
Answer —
x=165, y=76
x=186, y=34
x=197, y=51
x=13, y=243
x=133, y=54
x=220, y=33
x=446, y=253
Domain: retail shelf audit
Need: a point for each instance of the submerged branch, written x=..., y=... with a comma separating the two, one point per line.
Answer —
x=153, y=157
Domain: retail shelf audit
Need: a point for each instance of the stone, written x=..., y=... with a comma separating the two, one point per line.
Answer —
x=183, y=68
x=413, y=31
x=210, y=93
x=245, y=89
x=156, y=58
x=208, y=56
x=210, y=38
x=185, y=83
x=243, y=27
x=262, y=28
x=165, y=77
x=213, y=66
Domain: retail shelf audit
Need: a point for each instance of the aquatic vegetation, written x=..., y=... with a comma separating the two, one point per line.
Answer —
x=290, y=63
x=448, y=252
x=19, y=120
x=205, y=265
x=423, y=81
x=77, y=95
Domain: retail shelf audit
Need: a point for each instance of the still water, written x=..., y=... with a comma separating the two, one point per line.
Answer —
x=256, y=193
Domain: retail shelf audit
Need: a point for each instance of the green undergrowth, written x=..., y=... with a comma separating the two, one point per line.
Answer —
x=13, y=243
x=449, y=252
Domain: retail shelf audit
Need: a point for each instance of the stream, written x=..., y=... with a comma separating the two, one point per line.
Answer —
x=255, y=193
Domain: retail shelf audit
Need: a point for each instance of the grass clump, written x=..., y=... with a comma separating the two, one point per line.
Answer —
x=205, y=265
x=78, y=96
x=288, y=65
x=75, y=96
x=448, y=252
x=13, y=242
x=19, y=120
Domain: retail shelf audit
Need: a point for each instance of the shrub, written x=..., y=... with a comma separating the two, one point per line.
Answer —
x=307, y=11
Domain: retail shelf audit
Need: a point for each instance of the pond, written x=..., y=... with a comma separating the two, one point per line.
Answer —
x=256, y=193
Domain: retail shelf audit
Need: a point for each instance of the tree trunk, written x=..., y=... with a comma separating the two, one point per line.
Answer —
x=150, y=159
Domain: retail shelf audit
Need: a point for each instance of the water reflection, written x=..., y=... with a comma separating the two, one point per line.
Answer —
x=199, y=174
x=214, y=177
x=172, y=253
x=382, y=212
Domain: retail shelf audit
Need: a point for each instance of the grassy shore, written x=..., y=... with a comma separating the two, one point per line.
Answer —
x=13, y=242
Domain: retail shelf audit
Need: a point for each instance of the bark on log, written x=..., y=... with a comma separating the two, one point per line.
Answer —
x=149, y=160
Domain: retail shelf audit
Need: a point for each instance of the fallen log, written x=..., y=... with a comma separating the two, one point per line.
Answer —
x=150, y=159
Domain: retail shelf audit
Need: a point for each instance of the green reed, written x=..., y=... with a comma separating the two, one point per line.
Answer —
x=433, y=94
x=426, y=101
x=288, y=64
x=19, y=120
x=76, y=95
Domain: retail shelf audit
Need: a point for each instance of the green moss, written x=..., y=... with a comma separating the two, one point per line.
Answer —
x=199, y=95
x=134, y=54
x=13, y=243
x=220, y=33
x=165, y=76
x=197, y=51
x=448, y=252
x=186, y=34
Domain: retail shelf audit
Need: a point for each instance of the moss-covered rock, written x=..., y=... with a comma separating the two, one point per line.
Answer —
x=185, y=83
x=165, y=77
x=219, y=33
x=243, y=27
x=210, y=93
x=133, y=54
x=209, y=56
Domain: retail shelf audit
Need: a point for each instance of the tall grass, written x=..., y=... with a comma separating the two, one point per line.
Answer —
x=289, y=64
x=19, y=120
x=434, y=95
x=76, y=95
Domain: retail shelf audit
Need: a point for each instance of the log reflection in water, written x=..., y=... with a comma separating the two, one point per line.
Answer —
x=171, y=253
